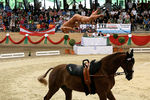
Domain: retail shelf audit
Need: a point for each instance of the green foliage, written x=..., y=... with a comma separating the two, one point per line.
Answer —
x=115, y=36
x=72, y=42
x=85, y=35
x=121, y=40
x=66, y=37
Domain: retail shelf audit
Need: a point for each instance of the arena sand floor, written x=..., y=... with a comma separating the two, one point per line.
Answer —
x=18, y=78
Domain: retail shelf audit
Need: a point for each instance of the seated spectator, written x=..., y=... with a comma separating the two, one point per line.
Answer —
x=27, y=25
x=38, y=27
x=146, y=23
x=100, y=34
x=1, y=24
x=115, y=20
x=109, y=21
x=6, y=23
x=42, y=27
x=12, y=24
x=32, y=26
x=51, y=25
x=22, y=21
x=120, y=20
x=95, y=34
x=50, y=20
x=127, y=15
x=59, y=24
x=127, y=20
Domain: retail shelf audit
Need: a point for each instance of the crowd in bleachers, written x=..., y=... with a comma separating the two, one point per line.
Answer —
x=42, y=19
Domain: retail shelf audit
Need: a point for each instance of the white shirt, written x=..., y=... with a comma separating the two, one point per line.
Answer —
x=134, y=12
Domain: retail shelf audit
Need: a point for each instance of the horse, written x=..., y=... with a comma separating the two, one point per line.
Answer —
x=104, y=78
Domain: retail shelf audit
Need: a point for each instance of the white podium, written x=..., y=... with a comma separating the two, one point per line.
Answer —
x=82, y=50
x=94, y=41
x=93, y=45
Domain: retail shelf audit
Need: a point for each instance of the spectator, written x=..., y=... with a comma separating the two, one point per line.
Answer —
x=100, y=33
x=127, y=16
x=12, y=24
x=134, y=12
x=6, y=23
x=38, y=27
x=130, y=4
x=1, y=5
x=80, y=6
x=139, y=6
x=42, y=27
x=127, y=20
x=1, y=24
x=120, y=20
x=146, y=23
x=32, y=26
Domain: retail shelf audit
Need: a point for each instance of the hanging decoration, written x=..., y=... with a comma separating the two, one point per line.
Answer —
x=46, y=35
x=7, y=38
x=55, y=42
x=3, y=39
x=18, y=41
x=66, y=37
x=116, y=41
x=108, y=42
x=140, y=40
x=26, y=39
x=36, y=41
x=137, y=40
x=129, y=40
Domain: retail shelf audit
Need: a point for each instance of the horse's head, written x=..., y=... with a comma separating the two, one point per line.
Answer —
x=127, y=65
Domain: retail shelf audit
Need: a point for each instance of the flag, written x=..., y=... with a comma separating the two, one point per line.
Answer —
x=24, y=31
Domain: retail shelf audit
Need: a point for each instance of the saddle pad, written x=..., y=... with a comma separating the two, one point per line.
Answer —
x=74, y=69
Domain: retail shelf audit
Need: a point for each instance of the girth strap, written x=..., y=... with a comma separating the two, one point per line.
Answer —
x=86, y=74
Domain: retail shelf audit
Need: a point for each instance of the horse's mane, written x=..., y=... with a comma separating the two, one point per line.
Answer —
x=111, y=56
x=95, y=65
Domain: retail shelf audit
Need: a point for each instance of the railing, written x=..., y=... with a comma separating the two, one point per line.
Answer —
x=90, y=28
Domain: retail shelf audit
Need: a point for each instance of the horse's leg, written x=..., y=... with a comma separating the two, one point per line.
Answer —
x=51, y=92
x=68, y=92
x=102, y=95
x=110, y=95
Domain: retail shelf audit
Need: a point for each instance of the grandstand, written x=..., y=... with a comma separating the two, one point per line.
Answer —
x=36, y=16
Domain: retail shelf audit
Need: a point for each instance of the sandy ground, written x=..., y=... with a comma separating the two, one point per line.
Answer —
x=18, y=78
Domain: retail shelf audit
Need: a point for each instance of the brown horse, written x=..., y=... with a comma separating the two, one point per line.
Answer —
x=104, y=77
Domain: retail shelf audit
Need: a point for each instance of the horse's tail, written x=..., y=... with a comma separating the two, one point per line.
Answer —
x=41, y=78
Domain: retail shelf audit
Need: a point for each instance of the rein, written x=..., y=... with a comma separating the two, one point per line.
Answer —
x=116, y=74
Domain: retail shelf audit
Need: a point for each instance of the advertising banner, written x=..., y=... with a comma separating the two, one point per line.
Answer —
x=114, y=28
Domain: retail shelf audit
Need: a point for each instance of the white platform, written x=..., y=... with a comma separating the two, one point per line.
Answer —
x=81, y=50
x=94, y=41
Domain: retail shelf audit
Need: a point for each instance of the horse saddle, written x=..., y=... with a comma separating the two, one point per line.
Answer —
x=77, y=70
x=84, y=71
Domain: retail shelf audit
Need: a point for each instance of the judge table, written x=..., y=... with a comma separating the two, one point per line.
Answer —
x=94, y=41
x=93, y=45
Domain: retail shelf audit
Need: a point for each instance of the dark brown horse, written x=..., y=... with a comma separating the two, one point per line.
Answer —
x=104, y=77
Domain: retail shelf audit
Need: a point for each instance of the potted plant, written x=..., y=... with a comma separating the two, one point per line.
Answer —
x=121, y=40
x=66, y=37
x=115, y=49
x=115, y=36
x=85, y=35
x=72, y=43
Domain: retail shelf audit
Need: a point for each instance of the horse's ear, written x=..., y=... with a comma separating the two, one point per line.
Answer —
x=131, y=53
x=127, y=53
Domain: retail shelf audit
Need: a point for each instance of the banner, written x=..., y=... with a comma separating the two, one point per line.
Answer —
x=114, y=28
x=24, y=31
